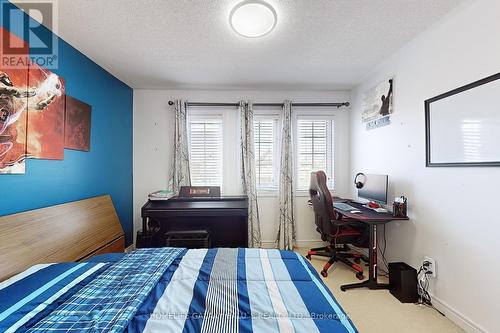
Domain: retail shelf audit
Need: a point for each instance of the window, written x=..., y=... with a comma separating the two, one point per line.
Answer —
x=214, y=149
x=314, y=149
x=266, y=143
x=205, y=150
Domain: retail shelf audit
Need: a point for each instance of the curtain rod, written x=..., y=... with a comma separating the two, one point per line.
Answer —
x=337, y=105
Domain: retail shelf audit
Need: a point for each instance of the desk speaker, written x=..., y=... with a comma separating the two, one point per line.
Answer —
x=403, y=282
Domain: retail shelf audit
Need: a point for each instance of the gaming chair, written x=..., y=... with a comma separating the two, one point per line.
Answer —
x=337, y=232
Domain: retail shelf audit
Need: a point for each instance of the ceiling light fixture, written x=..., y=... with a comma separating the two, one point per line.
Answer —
x=253, y=18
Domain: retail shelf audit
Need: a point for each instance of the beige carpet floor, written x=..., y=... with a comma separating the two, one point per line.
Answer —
x=374, y=311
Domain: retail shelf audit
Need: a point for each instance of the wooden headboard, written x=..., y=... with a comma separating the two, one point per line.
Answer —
x=67, y=232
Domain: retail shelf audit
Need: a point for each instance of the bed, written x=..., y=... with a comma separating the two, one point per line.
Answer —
x=172, y=290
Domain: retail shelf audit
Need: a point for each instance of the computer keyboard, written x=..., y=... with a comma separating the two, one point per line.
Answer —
x=343, y=206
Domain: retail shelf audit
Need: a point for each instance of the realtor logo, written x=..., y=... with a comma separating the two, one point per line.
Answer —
x=38, y=29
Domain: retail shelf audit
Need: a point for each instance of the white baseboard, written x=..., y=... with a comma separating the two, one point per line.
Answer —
x=309, y=243
x=130, y=248
x=462, y=321
x=298, y=243
x=268, y=245
x=458, y=318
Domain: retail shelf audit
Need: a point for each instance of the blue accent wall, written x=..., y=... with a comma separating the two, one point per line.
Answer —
x=106, y=169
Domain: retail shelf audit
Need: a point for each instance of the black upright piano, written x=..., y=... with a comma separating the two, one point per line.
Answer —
x=225, y=217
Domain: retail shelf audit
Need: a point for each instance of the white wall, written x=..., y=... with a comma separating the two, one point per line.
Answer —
x=446, y=222
x=153, y=132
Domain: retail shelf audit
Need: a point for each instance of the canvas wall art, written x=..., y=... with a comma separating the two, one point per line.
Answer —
x=33, y=110
x=45, y=138
x=13, y=115
x=77, y=129
x=378, y=104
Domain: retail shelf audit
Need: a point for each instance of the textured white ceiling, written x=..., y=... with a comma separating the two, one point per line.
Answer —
x=188, y=44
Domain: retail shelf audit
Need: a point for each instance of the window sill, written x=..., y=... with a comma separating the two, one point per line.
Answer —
x=301, y=194
x=305, y=193
x=275, y=194
x=267, y=194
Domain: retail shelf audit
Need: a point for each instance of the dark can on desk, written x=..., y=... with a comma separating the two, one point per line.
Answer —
x=399, y=209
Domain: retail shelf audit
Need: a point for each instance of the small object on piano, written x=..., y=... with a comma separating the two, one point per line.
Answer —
x=161, y=195
x=199, y=192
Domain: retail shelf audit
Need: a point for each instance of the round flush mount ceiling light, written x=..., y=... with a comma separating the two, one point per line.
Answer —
x=253, y=18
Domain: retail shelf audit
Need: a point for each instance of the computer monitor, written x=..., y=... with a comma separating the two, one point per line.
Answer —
x=374, y=188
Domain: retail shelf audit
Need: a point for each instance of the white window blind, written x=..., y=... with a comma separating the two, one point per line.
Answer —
x=205, y=150
x=265, y=136
x=315, y=150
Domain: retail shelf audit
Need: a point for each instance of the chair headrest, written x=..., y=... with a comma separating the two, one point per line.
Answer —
x=318, y=186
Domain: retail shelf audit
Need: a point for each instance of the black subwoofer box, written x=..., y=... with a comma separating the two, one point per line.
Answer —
x=403, y=282
x=143, y=240
x=191, y=239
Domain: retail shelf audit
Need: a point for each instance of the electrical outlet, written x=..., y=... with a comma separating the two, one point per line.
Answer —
x=432, y=266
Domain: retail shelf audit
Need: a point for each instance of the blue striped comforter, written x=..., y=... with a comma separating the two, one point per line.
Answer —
x=174, y=290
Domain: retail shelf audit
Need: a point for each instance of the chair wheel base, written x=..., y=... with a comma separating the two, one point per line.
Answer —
x=360, y=276
x=308, y=257
x=324, y=274
x=357, y=260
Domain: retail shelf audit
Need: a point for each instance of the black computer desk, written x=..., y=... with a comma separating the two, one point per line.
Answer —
x=373, y=219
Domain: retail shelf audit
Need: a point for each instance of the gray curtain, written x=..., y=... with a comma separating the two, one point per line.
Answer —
x=248, y=173
x=286, y=231
x=179, y=173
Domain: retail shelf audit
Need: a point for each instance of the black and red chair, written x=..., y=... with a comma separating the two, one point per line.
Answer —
x=338, y=232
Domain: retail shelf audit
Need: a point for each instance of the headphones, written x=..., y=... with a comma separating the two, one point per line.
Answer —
x=357, y=183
